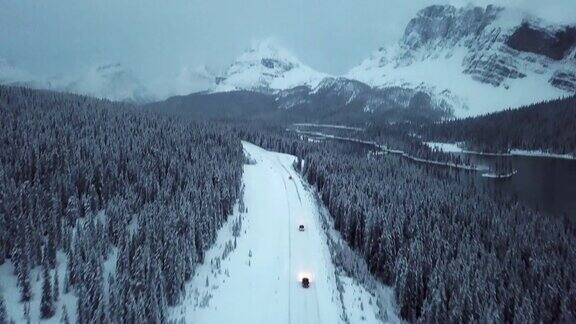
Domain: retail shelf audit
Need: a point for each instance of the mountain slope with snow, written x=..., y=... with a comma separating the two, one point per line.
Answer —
x=267, y=67
x=477, y=60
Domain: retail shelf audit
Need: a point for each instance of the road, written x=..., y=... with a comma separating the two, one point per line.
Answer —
x=259, y=280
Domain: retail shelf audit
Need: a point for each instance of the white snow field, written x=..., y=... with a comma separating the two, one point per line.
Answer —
x=255, y=277
x=15, y=308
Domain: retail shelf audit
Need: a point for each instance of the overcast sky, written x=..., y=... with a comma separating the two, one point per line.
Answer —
x=154, y=37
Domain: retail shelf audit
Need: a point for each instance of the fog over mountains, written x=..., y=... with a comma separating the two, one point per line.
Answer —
x=461, y=60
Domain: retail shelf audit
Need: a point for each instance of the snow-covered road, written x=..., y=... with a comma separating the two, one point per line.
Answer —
x=255, y=277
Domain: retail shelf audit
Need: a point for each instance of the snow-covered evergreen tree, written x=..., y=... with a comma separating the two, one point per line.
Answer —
x=46, y=303
x=56, y=287
x=64, y=319
x=3, y=312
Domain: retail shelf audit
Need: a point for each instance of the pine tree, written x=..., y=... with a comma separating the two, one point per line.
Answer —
x=3, y=312
x=114, y=308
x=64, y=318
x=50, y=248
x=24, y=281
x=72, y=210
x=56, y=287
x=66, y=288
x=4, y=248
x=81, y=316
x=46, y=303
x=27, y=311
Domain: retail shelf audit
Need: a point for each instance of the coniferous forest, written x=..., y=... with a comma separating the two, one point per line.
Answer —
x=549, y=126
x=452, y=253
x=130, y=200
x=104, y=182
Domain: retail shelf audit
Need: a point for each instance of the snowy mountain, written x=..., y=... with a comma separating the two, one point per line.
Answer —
x=112, y=81
x=477, y=60
x=456, y=61
x=344, y=100
x=266, y=67
x=334, y=100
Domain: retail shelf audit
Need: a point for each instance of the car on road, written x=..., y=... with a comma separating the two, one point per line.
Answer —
x=290, y=177
x=301, y=228
x=305, y=282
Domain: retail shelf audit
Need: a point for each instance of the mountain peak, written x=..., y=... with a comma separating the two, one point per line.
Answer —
x=477, y=59
x=267, y=67
x=446, y=23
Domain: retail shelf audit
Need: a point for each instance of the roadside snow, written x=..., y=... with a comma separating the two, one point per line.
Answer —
x=539, y=153
x=329, y=126
x=455, y=148
x=15, y=309
x=445, y=147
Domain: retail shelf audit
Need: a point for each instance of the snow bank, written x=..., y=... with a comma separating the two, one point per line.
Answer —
x=540, y=153
x=329, y=126
x=445, y=147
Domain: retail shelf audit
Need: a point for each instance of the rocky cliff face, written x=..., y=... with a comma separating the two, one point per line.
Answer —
x=446, y=26
x=477, y=59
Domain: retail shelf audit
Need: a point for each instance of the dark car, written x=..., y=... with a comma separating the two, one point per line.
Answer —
x=301, y=228
x=305, y=282
x=290, y=177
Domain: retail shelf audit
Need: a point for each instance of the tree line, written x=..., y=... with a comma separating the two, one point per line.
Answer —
x=549, y=126
x=452, y=252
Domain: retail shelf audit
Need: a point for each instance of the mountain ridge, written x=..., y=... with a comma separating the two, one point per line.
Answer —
x=477, y=59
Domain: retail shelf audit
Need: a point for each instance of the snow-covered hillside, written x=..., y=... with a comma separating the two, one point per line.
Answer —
x=267, y=67
x=476, y=59
x=253, y=272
